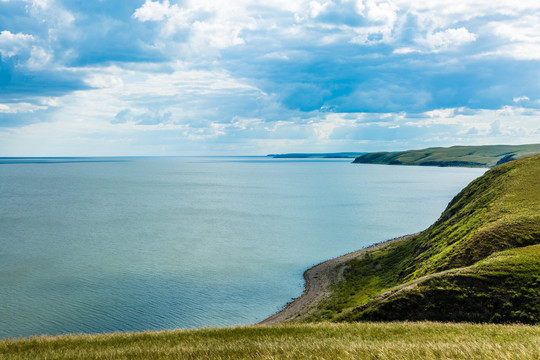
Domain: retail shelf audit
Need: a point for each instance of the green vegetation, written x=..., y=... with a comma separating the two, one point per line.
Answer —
x=479, y=262
x=503, y=288
x=469, y=156
x=402, y=341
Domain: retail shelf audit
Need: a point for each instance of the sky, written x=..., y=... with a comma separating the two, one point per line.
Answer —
x=252, y=77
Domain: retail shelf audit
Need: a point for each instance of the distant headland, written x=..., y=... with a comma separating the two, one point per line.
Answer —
x=340, y=155
x=469, y=156
x=482, y=156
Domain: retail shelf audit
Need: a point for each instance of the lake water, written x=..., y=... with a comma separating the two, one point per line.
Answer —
x=99, y=245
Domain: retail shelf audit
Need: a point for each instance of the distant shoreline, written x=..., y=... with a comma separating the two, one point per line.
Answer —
x=340, y=155
x=318, y=280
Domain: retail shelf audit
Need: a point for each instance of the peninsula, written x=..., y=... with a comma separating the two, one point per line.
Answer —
x=480, y=262
x=468, y=156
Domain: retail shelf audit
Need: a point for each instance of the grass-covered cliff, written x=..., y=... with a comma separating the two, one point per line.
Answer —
x=479, y=262
x=469, y=156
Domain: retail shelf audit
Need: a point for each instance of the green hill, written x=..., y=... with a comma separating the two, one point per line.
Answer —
x=469, y=156
x=479, y=262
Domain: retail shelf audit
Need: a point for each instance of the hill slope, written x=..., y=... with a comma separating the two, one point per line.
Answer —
x=469, y=156
x=411, y=280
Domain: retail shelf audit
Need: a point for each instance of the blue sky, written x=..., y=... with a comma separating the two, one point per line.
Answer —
x=251, y=77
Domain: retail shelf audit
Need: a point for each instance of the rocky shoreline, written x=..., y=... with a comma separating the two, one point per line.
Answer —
x=318, y=280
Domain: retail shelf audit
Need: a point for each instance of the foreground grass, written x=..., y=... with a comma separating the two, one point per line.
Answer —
x=421, y=340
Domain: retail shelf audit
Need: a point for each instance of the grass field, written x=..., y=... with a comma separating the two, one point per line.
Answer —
x=469, y=156
x=386, y=341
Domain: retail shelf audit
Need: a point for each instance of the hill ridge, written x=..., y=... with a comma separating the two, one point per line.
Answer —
x=458, y=155
x=498, y=212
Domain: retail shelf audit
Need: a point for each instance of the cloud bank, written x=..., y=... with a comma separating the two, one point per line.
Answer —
x=255, y=77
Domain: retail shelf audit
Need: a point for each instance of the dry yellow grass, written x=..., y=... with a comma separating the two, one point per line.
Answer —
x=399, y=341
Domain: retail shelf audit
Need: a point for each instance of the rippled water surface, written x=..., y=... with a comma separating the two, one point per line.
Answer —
x=94, y=245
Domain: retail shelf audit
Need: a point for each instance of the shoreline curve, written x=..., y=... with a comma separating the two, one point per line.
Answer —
x=317, y=282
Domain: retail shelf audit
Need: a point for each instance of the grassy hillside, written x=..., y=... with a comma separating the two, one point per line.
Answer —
x=403, y=341
x=505, y=287
x=470, y=156
x=457, y=269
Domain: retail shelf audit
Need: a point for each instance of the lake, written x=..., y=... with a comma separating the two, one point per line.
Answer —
x=125, y=244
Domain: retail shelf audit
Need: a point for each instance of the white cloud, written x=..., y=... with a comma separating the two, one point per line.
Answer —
x=447, y=39
x=51, y=22
x=380, y=12
x=220, y=30
x=195, y=99
x=442, y=14
x=245, y=123
x=53, y=14
x=93, y=134
x=236, y=72
x=439, y=26
x=218, y=35
x=521, y=30
x=39, y=58
x=110, y=77
x=444, y=25
x=443, y=40
x=316, y=7
x=154, y=11
x=21, y=107
x=520, y=36
x=323, y=129
x=405, y=50
x=14, y=44
x=41, y=3
x=521, y=98
x=505, y=125
x=522, y=51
